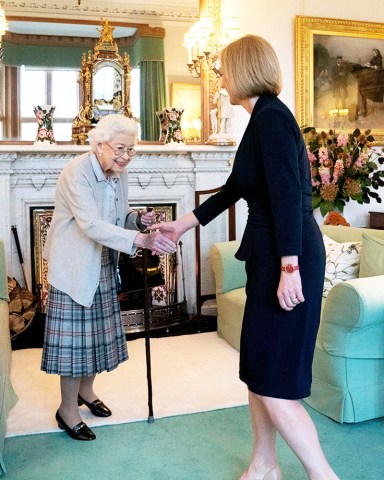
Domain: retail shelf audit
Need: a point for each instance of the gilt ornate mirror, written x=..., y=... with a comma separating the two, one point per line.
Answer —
x=52, y=46
x=107, y=88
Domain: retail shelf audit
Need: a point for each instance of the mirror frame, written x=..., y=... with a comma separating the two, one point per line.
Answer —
x=208, y=80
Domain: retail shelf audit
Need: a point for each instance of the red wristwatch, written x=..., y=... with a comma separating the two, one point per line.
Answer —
x=289, y=268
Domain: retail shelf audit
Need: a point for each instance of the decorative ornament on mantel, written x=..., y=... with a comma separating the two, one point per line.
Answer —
x=162, y=116
x=170, y=125
x=44, y=118
x=223, y=111
x=343, y=168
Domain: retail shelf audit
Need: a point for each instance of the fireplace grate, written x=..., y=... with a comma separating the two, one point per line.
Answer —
x=160, y=317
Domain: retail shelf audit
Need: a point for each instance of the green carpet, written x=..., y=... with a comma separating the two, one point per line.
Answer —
x=205, y=446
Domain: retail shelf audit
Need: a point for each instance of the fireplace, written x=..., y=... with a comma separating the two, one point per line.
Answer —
x=162, y=272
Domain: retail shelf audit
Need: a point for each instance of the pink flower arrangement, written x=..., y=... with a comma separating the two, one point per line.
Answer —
x=343, y=168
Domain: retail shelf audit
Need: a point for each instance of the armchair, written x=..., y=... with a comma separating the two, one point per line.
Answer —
x=348, y=365
x=8, y=397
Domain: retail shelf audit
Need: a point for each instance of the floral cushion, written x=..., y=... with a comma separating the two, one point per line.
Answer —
x=342, y=262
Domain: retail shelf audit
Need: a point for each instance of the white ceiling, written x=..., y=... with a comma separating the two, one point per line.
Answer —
x=152, y=12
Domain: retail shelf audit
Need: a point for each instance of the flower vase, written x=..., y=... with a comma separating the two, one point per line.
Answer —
x=174, y=125
x=44, y=118
x=162, y=116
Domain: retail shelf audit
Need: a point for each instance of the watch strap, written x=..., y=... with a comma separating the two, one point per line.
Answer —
x=289, y=268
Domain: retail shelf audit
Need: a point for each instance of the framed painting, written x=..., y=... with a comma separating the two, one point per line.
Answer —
x=188, y=96
x=340, y=75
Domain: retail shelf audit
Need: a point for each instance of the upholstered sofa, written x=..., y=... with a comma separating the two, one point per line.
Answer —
x=7, y=395
x=348, y=367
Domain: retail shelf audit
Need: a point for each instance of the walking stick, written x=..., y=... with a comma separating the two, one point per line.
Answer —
x=147, y=314
x=182, y=269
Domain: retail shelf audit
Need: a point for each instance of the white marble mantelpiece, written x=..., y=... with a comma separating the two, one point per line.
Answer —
x=158, y=174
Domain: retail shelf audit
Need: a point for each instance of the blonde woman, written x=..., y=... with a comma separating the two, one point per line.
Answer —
x=92, y=222
x=284, y=256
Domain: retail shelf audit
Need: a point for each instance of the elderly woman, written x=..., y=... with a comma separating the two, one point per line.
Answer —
x=92, y=222
x=284, y=259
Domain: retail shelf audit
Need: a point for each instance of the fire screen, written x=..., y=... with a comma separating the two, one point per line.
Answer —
x=161, y=270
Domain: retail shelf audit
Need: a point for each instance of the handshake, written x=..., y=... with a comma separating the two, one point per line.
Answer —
x=163, y=239
x=165, y=235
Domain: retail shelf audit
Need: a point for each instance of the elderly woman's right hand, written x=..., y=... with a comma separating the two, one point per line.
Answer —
x=156, y=242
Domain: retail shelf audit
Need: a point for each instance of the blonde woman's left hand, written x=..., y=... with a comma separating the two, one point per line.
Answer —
x=289, y=292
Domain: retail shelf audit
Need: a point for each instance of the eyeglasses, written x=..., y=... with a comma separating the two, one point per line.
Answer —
x=120, y=151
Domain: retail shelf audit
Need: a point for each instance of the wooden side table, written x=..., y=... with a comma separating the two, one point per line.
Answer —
x=376, y=220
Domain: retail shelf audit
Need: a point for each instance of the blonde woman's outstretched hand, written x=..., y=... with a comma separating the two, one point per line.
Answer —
x=174, y=230
x=156, y=242
x=169, y=229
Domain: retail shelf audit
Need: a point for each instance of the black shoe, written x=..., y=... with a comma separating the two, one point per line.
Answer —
x=97, y=407
x=79, y=432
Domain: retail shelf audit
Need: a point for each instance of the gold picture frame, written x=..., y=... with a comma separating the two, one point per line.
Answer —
x=321, y=101
x=188, y=96
x=41, y=221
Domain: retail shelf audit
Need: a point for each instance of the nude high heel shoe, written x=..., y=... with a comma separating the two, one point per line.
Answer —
x=274, y=474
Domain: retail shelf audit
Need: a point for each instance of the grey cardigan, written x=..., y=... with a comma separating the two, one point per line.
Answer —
x=78, y=232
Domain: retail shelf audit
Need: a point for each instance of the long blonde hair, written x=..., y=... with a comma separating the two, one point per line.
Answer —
x=251, y=68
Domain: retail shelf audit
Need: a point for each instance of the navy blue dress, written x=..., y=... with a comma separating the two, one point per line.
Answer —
x=271, y=172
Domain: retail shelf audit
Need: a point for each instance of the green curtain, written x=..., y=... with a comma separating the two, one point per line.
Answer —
x=152, y=98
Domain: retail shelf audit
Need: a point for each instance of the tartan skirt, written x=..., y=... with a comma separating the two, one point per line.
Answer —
x=82, y=341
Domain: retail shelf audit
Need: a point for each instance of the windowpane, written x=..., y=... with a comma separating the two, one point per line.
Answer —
x=28, y=131
x=32, y=81
x=62, y=131
x=65, y=93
